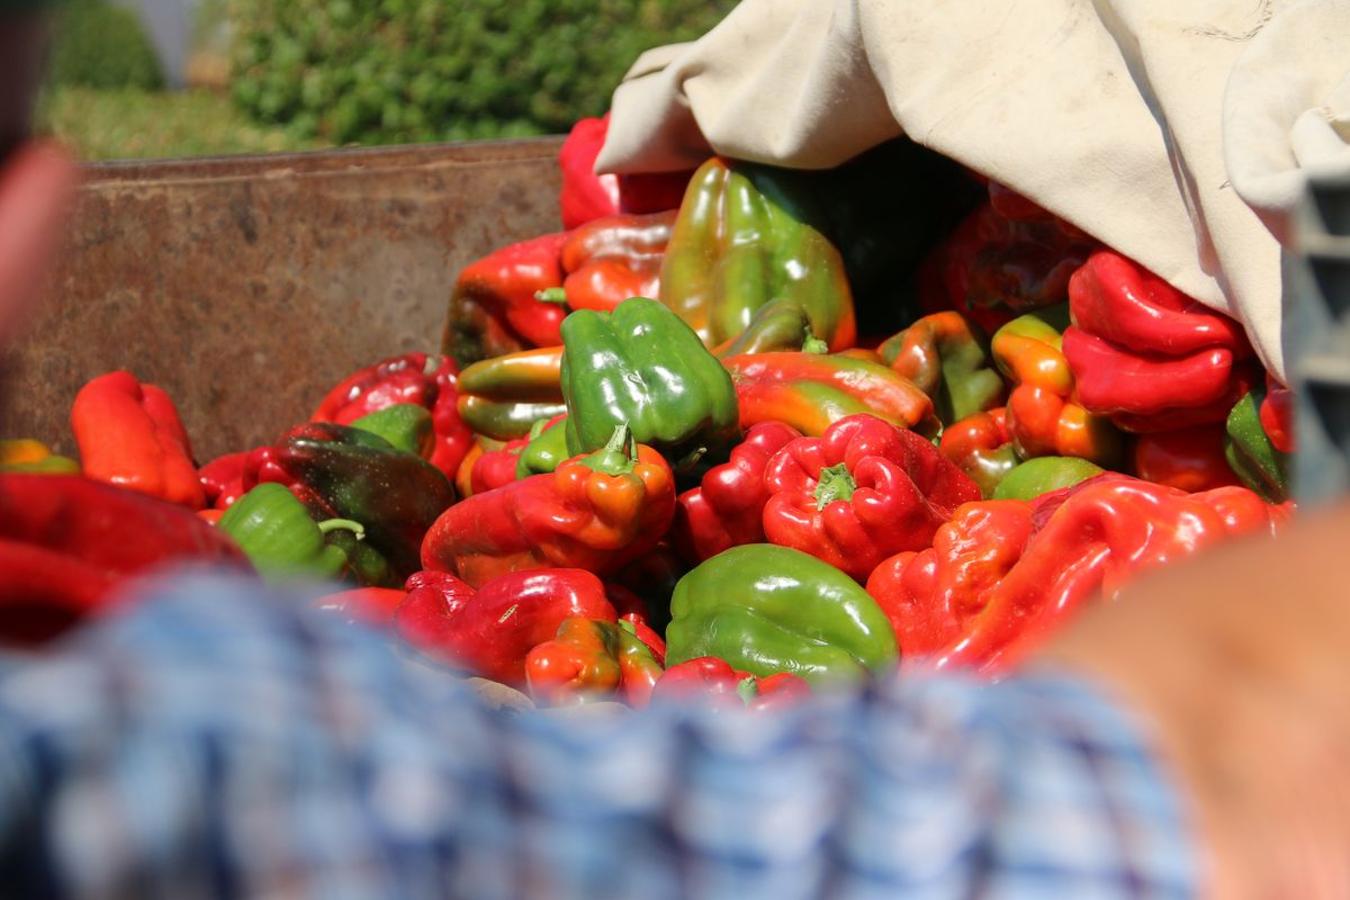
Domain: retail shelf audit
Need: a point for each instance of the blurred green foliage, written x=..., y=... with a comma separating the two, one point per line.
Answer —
x=381, y=71
x=99, y=45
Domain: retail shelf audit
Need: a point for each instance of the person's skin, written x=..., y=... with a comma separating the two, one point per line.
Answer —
x=37, y=185
x=1239, y=662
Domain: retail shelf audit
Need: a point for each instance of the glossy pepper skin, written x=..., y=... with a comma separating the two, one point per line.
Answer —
x=596, y=512
x=609, y=260
x=67, y=541
x=360, y=476
x=275, y=531
x=946, y=357
x=1188, y=459
x=727, y=508
x=491, y=630
x=411, y=378
x=503, y=396
x=586, y=195
x=1277, y=415
x=129, y=434
x=741, y=240
x=981, y=447
x=1146, y=354
x=495, y=308
x=777, y=325
x=641, y=366
x=545, y=448
x=710, y=678
x=811, y=391
x=406, y=426
x=859, y=493
x=1043, y=475
x=1003, y=575
x=581, y=663
x=641, y=657
x=768, y=609
x=1043, y=416
x=1250, y=452
x=35, y=458
x=1008, y=257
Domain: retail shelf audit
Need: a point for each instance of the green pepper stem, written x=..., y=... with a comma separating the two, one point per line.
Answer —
x=343, y=524
x=813, y=344
x=616, y=457
x=552, y=295
x=836, y=483
x=747, y=689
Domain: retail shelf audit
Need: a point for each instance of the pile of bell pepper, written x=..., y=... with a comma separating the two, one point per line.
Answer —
x=654, y=458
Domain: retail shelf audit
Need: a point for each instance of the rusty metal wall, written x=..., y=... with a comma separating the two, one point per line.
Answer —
x=246, y=286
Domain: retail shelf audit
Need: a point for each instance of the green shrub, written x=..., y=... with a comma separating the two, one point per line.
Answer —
x=380, y=71
x=100, y=45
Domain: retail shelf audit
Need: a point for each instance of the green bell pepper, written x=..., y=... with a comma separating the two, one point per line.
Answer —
x=1044, y=474
x=1251, y=455
x=405, y=425
x=546, y=450
x=275, y=531
x=642, y=366
x=777, y=325
x=766, y=609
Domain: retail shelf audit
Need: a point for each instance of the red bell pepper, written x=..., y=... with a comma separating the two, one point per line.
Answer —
x=495, y=308
x=66, y=542
x=981, y=446
x=491, y=630
x=597, y=512
x=223, y=479
x=861, y=492
x=707, y=677
x=1189, y=459
x=609, y=260
x=811, y=391
x=370, y=605
x=727, y=508
x=1146, y=354
x=129, y=434
x=1002, y=575
x=586, y=195
x=580, y=663
x=1277, y=415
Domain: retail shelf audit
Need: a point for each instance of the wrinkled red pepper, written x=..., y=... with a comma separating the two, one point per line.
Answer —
x=130, y=435
x=860, y=492
x=1147, y=355
x=727, y=508
x=586, y=195
x=67, y=542
x=611, y=259
x=597, y=511
x=1003, y=575
x=708, y=677
x=491, y=630
x=1189, y=459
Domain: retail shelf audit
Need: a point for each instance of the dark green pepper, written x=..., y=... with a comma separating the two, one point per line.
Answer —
x=642, y=366
x=546, y=450
x=1251, y=455
x=1044, y=474
x=359, y=475
x=407, y=426
x=766, y=609
x=275, y=531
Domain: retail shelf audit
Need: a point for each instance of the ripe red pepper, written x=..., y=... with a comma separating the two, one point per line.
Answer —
x=129, y=434
x=1146, y=354
x=715, y=679
x=491, y=630
x=861, y=492
x=1277, y=415
x=611, y=259
x=66, y=542
x=495, y=307
x=597, y=511
x=1189, y=459
x=727, y=508
x=586, y=195
x=1002, y=575
x=371, y=605
x=223, y=479
x=981, y=446
x=580, y=663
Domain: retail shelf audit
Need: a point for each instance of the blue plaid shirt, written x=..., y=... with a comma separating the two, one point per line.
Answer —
x=218, y=739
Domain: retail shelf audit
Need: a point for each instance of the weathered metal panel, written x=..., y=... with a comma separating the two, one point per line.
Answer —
x=247, y=286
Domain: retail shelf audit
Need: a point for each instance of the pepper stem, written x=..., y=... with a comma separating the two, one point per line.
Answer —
x=344, y=525
x=836, y=483
x=616, y=457
x=747, y=689
x=813, y=344
x=552, y=295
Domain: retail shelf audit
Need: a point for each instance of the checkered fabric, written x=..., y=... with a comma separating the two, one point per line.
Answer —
x=220, y=739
